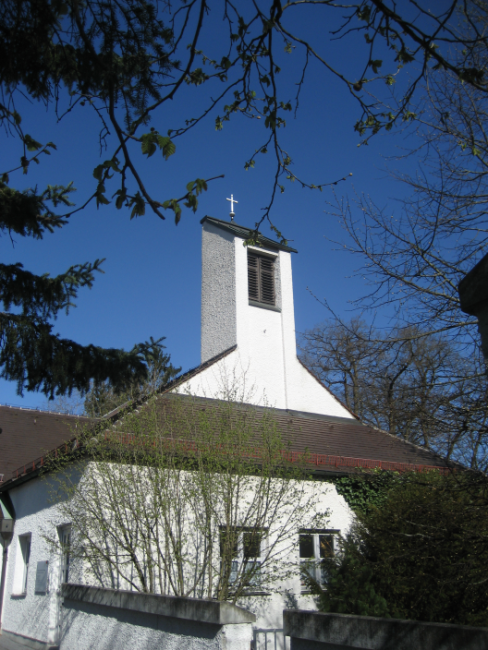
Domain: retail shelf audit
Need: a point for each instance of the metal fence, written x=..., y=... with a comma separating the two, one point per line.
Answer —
x=268, y=639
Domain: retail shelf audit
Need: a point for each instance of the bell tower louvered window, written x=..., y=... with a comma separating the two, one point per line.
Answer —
x=261, y=282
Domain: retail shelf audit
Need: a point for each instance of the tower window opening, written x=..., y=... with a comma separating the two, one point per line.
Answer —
x=261, y=278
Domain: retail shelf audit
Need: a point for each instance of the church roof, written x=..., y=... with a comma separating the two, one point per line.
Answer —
x=27, y=434
x=329, y=444
x=247, y=233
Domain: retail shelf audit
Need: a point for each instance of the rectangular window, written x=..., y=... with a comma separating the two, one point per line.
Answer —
x=261, y=281
x=65, y=542
x=314, y=547
x=25, y=548
x=241, y=555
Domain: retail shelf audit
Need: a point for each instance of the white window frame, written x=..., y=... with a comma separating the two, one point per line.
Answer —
x=238, y=560
x=64, y=533
x=314, y=563
x=22, y=564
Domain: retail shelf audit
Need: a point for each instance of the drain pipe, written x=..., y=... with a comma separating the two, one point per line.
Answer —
x=6, y=531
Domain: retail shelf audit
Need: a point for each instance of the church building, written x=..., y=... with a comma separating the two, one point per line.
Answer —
x=248, y=356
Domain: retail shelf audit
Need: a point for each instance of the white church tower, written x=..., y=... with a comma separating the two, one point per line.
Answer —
x=248, y=325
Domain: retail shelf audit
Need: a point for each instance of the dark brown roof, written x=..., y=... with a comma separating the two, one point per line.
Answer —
x=338, y=444
x=331, y=444
x=27, y=434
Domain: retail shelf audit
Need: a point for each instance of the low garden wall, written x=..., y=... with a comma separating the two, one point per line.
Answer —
x=107, y=619
x=316, y=631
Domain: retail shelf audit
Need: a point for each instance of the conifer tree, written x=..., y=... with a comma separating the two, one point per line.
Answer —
x=105, y=396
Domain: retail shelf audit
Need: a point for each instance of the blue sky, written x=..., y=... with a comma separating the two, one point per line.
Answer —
x=151, y=284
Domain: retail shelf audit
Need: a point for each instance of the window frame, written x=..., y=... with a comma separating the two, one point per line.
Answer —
x=258, y=297
x=25, y=549
x=21, y=574
x=65, y=562
x=315, y=562
x=239, y=559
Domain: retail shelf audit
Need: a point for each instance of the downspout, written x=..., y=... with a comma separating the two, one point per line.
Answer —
x=6, y=532
x=4, y=574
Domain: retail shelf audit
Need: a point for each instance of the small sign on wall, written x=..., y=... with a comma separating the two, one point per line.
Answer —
x=42, y=575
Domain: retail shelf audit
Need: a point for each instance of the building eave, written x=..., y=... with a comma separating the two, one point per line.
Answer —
x=248, y=233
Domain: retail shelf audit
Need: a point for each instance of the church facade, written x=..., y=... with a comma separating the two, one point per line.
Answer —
x=248, y=357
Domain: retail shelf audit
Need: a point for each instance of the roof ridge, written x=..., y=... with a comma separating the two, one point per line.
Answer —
x=234, y=229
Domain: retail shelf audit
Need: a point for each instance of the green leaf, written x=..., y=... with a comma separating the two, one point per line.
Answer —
x=121, y=197
x=31, y=144
x=225, y=63
x=376, y=65
x=148, y=144
x=139, y=204
x=166, y=145
x=102, y=199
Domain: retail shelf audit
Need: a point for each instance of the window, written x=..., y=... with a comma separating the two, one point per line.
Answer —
x=241, y=555
x=25, y=547
x=65, y=541
x=260, y=275
x=315, y=546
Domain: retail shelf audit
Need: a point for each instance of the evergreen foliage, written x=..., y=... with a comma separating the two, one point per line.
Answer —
x=350, y=585
x=421, y=553
x=105, y=397
x=90, y=50
x=367, y=490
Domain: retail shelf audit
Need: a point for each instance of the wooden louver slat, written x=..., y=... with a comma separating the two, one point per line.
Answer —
x=260, y=273
x=267, y=280
x=252, y=276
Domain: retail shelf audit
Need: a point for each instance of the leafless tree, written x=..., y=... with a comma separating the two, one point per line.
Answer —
x=421, y=389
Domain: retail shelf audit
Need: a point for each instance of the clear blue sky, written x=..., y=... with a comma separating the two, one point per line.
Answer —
x=151, y=284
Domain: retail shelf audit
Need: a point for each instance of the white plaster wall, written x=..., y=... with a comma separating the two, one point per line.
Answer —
x=33, y=615
x=90, y=627
x=269, y=609
x=265, y=361
x=37, y=615
x=218, y=292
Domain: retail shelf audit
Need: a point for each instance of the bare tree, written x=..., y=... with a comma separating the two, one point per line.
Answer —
x=187, y=497
x=418, y=388
x=415, y=255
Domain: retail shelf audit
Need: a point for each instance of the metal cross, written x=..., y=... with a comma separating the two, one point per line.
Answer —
x=232, y=201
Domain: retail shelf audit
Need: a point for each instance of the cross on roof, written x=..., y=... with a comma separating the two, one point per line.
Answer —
x=232, y=201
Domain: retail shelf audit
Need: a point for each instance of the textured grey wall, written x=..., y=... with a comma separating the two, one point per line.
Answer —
x=218, y=292
x=107, y=619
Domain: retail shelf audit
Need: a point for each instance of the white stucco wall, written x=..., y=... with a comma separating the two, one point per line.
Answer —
x=37, y=616
x=33, y=615
x=265, y=362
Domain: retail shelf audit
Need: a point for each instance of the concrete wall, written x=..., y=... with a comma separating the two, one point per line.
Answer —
x=104, y=619
x=264, y=369
x=314, y=631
